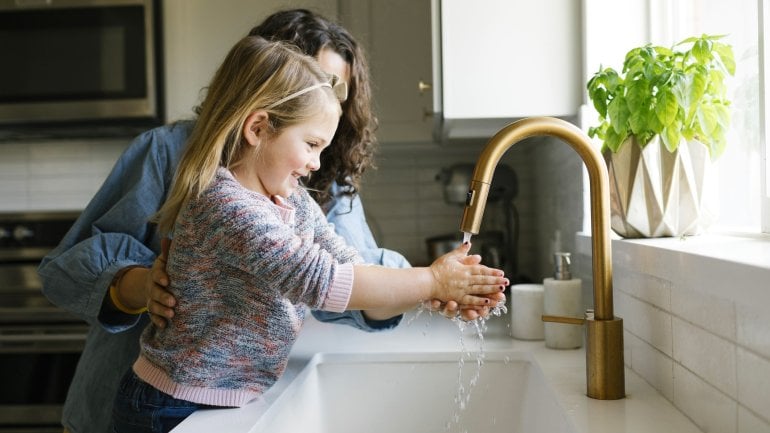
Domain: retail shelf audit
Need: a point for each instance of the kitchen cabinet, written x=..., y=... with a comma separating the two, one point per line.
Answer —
x=446, y=69
x=507, y=59
x=198, y=35
x=396, y=35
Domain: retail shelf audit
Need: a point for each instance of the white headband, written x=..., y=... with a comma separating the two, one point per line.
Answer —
x=339, y=87
x=298, y=93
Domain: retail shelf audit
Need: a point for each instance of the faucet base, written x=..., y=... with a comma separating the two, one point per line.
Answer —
x=604, y=359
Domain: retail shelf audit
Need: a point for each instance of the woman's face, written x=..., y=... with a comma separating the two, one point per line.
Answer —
x=332, y=63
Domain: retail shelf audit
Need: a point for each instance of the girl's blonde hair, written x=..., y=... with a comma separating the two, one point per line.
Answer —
x=255, y=75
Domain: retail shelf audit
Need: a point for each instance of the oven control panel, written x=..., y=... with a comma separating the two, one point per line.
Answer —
x=26, y=234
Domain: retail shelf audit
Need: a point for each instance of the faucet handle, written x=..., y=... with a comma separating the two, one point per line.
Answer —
x=563, y=319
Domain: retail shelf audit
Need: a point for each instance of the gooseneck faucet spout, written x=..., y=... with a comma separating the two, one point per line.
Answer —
x=604, y=332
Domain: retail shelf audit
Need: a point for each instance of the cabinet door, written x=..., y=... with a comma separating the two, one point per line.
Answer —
x=510, y=58
x=198, y=35
x=397, y=37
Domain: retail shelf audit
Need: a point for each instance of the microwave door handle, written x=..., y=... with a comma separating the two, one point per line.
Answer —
x=32, y=3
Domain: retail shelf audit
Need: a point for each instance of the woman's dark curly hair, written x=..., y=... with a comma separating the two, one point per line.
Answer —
x=352, y=150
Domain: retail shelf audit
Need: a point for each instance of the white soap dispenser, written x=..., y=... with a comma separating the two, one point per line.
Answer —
x=563, y=297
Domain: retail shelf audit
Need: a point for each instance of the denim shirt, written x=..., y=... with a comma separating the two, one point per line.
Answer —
x=113, y=232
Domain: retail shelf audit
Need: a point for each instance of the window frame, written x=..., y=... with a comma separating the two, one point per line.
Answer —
x=763, y=18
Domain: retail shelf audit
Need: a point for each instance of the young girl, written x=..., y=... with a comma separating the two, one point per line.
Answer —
x=251, y=249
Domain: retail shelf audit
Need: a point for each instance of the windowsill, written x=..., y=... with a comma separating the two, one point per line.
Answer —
x=730, y=265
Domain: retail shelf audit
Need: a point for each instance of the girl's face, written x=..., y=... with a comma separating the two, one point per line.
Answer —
x=294, y=153
x=283, y=159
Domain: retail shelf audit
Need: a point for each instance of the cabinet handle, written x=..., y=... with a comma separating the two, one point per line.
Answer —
x=426, y=114
x=423, y=87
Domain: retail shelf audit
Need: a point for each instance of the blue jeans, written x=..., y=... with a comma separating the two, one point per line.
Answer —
x=140, y=408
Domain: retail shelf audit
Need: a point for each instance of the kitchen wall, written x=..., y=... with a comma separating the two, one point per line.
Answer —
x=54, y=174
x=701, y=347
x=405, y=205
x=403, y=200
x=696, y=326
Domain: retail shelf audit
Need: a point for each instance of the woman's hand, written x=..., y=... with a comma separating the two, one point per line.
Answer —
x=461, y=278
x=160, y=302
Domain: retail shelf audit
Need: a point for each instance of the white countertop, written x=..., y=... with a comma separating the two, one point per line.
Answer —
x=644, y=410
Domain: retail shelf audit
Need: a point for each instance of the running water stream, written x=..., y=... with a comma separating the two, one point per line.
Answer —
x=479, y=325
x=463, y=395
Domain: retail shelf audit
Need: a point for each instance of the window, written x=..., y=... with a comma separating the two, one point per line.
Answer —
x=738, y=171
x=741, y=184
x=764, y=67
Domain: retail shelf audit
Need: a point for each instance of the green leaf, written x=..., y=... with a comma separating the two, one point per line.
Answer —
x=671, y=137
x=716, y=148
x=696, y=87
x=707, y=120
x=666, y=107
x=701, y=50
x=725, y=53
x=613, y=140
x=723, y=115
x=617, y=112
x=638, y=122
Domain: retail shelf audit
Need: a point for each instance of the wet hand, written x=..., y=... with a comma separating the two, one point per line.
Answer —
x=461, y=278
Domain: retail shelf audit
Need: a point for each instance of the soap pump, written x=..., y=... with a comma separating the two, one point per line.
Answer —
x=563, y=297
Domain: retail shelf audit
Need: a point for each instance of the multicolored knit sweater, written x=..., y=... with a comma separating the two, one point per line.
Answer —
x=243, y=270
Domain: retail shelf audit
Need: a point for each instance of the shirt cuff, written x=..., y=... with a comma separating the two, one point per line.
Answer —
x=342, y=286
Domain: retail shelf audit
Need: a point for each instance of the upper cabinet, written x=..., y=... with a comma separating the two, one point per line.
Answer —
x=198, y=35
x=396, y=35
x=459, y=69
x=507, y=59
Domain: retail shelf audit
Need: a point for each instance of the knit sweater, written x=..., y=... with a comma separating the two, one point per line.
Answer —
x=243, y=269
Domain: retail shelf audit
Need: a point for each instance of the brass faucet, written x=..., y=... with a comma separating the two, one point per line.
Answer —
x=605, y=376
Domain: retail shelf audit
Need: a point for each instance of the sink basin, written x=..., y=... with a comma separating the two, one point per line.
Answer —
x=417, y=392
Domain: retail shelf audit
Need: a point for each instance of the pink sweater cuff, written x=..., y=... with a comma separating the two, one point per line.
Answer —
x=339, y=293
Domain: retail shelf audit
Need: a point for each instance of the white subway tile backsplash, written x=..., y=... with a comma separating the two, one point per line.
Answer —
x=655, y=291
x=748, y=422
x=753, y=323
x=712, y=358
x=12, y=203
x=709, y=408
x=647, y=322
x=754, y=382
x=712, y=313
x=655, y=367
x=720, y=327
x=14, y=160
x=54, y=175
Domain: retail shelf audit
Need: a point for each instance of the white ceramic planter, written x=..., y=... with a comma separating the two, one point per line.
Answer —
x=656, y=193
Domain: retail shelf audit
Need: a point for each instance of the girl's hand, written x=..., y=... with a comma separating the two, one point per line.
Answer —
x=451, y=309
x=160, y=302
x=461, y=278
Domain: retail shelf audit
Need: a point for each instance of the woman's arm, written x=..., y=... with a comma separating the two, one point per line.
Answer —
x=113, y=231
x=346, y=214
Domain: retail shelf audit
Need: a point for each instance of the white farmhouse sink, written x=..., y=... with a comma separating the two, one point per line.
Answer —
x=416, y=392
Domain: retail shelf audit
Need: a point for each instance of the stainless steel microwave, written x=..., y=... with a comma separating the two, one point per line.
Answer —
x=78, y=61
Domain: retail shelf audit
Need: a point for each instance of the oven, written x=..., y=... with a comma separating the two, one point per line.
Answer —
x=40, y=344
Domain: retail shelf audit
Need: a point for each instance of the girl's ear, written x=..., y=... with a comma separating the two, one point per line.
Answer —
x=255, y=127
